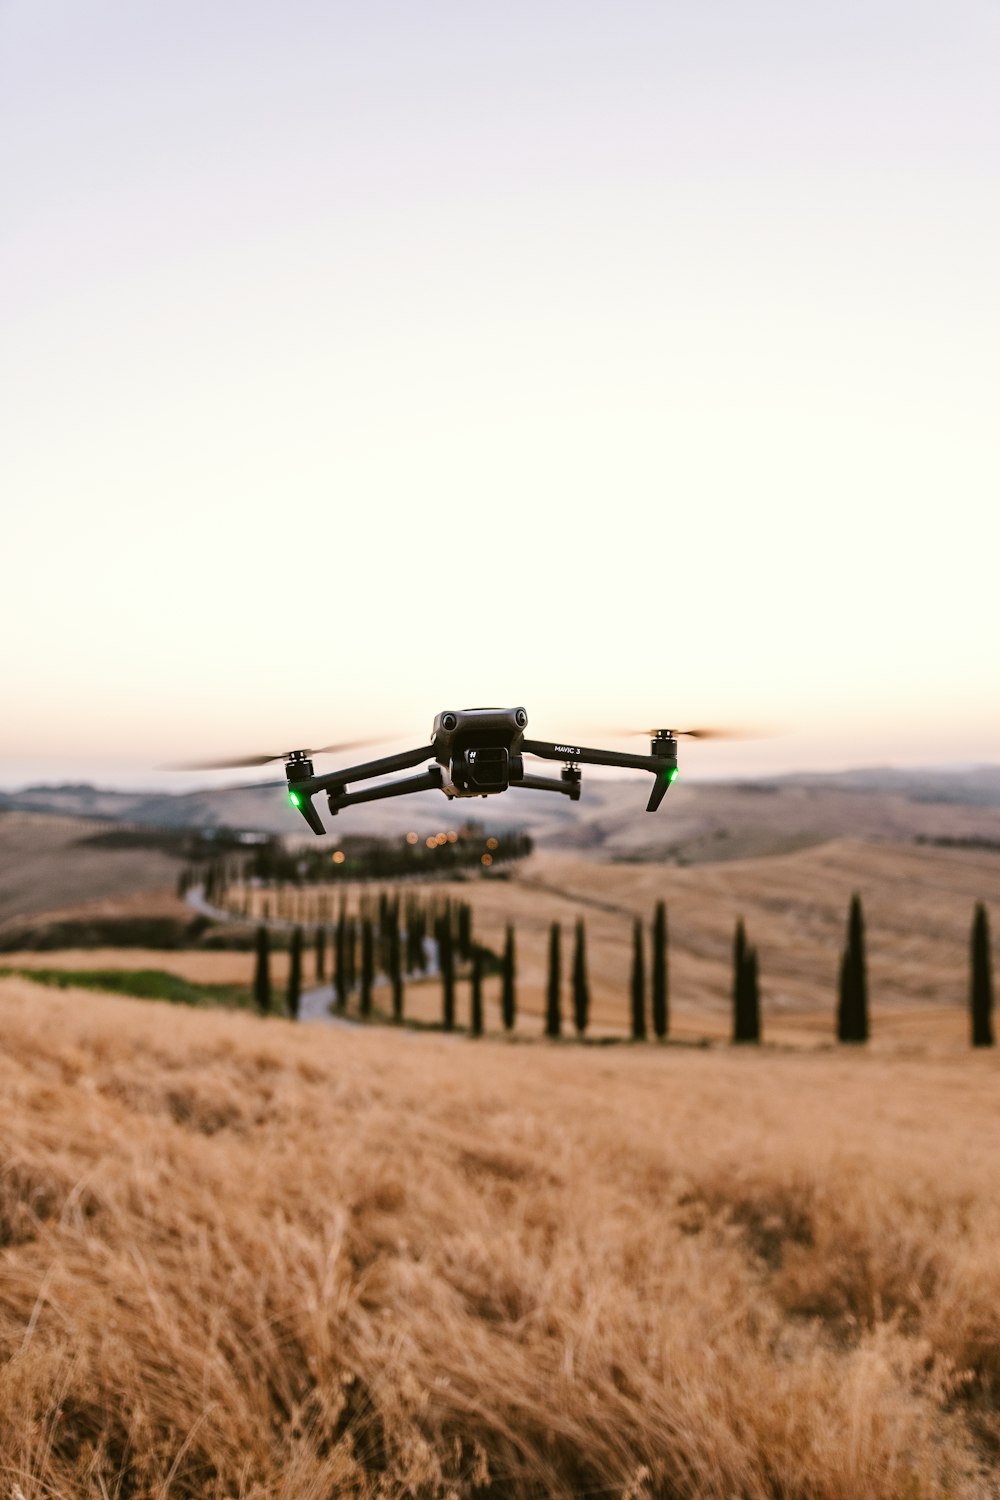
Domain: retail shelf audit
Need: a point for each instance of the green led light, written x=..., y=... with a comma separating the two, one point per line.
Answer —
x=673, y=774
x=295, y=799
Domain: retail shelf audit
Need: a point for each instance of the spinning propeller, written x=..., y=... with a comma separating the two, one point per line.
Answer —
x=263, y=760
x=719, y=732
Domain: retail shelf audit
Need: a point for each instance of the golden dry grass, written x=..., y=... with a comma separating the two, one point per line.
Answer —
x=240, y=1258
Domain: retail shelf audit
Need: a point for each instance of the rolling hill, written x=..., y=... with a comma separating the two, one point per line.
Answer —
x=698, y=821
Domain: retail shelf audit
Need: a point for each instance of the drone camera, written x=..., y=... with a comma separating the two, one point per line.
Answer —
x=485, y=768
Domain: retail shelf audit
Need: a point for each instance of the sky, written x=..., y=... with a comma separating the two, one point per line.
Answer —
x=638, y=363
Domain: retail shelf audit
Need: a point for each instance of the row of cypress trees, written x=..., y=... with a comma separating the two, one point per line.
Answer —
x=395, y=943
x=384, y=938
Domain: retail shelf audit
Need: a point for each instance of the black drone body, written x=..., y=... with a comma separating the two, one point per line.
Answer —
x=473, y=752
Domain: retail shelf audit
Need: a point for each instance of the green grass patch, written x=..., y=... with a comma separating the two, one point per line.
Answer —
x=140, y=984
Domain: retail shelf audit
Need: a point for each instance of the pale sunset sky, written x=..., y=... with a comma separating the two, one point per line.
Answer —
x=636, y=362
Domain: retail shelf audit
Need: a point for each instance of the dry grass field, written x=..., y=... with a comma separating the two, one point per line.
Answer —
x=242, y=1258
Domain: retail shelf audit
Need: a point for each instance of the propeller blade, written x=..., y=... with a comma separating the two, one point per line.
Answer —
x=230, y=764
x=718, y=732
x=346, y=745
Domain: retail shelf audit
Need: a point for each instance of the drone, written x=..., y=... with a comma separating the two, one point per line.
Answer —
x=473, y=752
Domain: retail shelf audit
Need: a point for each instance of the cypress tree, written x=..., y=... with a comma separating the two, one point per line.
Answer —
x=981, y=980
x=476, y=997
x=295, y=973
x=746, y=991
x=367, y=965
x=857, y=931
x=351, y=954
x=262, y=972
x=321, y=952
x=660, y=975
x=581, y=988
x=553, y=1012
x=388, y=921
x=395, y=928
x=408, y=930
x=739, y=958
x=508, y=998
x=464, y=929
x=845, y=1002
x=852, y=1007
x=446, y=963
x=396, y=968
x=753, y=997
x=741, y=955
x=638, y=984
x=419, y=937
x=412, y=956
x=380, y=933
x=340, y=962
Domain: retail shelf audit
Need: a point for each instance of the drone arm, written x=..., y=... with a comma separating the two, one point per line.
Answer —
x=580, y=755
x=550, y=784
x=663, y=767
x=330, y=780
x=430, y=780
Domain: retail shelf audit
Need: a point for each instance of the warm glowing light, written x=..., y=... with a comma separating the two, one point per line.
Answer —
x=431, y=842
x=413, y=838
x=492, y=843
x=451, y=836
x=487, y=859
x=442, y=838
x=338, y=856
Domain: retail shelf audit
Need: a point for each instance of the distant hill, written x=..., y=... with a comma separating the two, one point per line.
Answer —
x=48, y=863
x=699, y=821
x=977, y=786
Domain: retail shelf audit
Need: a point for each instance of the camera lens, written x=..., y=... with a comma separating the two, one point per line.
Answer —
x=449, y=722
